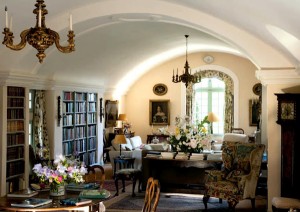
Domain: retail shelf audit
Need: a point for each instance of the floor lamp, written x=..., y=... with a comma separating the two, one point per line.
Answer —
x=120, y=139
x=211, y=117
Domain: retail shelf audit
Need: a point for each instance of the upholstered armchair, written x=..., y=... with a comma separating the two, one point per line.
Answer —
x=238, y=178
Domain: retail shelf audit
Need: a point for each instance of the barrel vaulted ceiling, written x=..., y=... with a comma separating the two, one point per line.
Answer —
x=120, y=39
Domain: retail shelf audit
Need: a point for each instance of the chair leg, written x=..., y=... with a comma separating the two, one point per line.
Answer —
x=117, y=186
x=220, y=200
x=133, y=186
x=205, y=200
x=123, y=183
x=232, y=203
x=253, y=203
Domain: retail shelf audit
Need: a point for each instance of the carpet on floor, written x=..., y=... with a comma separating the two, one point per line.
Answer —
x=168, y=203
x=110, y=185
x=178, y=202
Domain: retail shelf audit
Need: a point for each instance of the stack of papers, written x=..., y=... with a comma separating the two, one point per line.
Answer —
x=196, y=156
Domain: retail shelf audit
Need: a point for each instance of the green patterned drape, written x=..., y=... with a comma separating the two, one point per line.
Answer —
x=229, y=97
x=40, y=133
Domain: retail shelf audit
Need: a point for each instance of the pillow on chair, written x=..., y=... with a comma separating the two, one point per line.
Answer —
x=135, y=142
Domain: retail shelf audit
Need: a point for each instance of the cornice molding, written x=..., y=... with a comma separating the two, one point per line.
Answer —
x=34, y=82
x=278, y=76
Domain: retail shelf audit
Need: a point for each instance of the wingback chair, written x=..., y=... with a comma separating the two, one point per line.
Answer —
x=238, y=178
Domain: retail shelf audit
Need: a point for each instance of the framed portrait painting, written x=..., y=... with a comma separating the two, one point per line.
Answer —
x=111, y=113
x=159, y=112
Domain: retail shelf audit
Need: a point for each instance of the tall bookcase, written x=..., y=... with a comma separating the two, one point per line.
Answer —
x=80, y=125
x=15, y=142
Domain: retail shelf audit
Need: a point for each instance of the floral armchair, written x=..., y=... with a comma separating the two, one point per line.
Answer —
x=238, y=178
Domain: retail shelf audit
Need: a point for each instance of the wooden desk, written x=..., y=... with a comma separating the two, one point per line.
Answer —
x=161, y=138
x=5, y=203
x=176, y=175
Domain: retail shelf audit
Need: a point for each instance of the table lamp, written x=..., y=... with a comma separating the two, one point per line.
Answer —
x=123, y=118
x=120, y=139
x=211, y=117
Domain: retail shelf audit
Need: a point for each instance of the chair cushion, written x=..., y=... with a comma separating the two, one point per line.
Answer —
x=135, y=142
x=127, y=171
x=222, y=187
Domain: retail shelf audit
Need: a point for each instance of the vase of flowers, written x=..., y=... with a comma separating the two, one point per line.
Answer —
x=189, y=138
x=64, y=170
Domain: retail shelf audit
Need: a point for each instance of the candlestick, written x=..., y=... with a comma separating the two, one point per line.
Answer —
x=40, y=17
x=10, y=25
x=6, y=17
x=71, y=23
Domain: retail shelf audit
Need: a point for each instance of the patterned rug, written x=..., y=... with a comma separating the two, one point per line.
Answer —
x=110, y=185
x=178, y=202
x=167, y=203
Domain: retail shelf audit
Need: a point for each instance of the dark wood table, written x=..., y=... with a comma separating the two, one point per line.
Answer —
x=5, y=203
x=177, y=175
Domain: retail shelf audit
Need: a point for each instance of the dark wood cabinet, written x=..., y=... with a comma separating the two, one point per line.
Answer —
x=288, y=105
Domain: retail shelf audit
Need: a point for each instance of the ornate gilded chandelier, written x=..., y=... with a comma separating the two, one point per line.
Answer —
x=40, y=37
x=187, y=76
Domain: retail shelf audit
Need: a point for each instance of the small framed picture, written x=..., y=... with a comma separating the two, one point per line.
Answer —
x=111, y=113
x=160, y=89
x=159, y=112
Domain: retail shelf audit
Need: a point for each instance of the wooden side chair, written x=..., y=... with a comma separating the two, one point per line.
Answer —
x=95, y=174
x=152, y=195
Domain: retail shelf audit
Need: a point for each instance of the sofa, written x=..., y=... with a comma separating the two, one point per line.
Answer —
x=134, y=148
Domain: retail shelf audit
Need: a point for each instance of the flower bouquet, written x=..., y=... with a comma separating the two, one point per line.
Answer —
x=64, y=170
x=189, y=138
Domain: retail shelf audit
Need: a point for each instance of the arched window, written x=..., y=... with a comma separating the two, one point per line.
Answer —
x=191, y=109
x=209, y=96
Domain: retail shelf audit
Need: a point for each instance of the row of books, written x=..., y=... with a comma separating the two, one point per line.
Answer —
x=92, y=106
x=80, y=107
x=92, y=97
x=15, y=102
x=74, y=146
x=13, y=126
x=68, y=96
x=80, y=118
x=68, y=120
x=15, y=91
x=68, y=107
x=91, y=118
x=15, y=139
x=80, y=96
x=15, y=113
x=15, y=153
x=15, y=168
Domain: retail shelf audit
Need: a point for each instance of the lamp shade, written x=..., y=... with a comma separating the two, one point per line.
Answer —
x=122, y=117
x=211, y=117
x=120, y=139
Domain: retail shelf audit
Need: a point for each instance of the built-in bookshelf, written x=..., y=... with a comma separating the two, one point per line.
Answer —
x=15, y=142
x=80, y=125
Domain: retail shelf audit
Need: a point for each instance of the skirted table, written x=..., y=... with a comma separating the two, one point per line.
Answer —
x=177, y=175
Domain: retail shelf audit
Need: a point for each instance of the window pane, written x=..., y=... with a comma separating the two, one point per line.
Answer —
x=210, y=96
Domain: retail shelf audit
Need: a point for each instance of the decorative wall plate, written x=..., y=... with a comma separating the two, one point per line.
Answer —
x=160, y=89
x=208, y=59
x=257, y=89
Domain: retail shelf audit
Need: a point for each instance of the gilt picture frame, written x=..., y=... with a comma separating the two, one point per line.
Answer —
x=111, y=113
x=159, y=112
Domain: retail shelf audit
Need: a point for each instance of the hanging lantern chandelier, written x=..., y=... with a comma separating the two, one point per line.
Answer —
x=187, y=76
x=40, y=37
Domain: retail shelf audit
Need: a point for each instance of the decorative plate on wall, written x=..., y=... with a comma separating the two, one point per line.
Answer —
x=257, y=89
x=160, y=89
